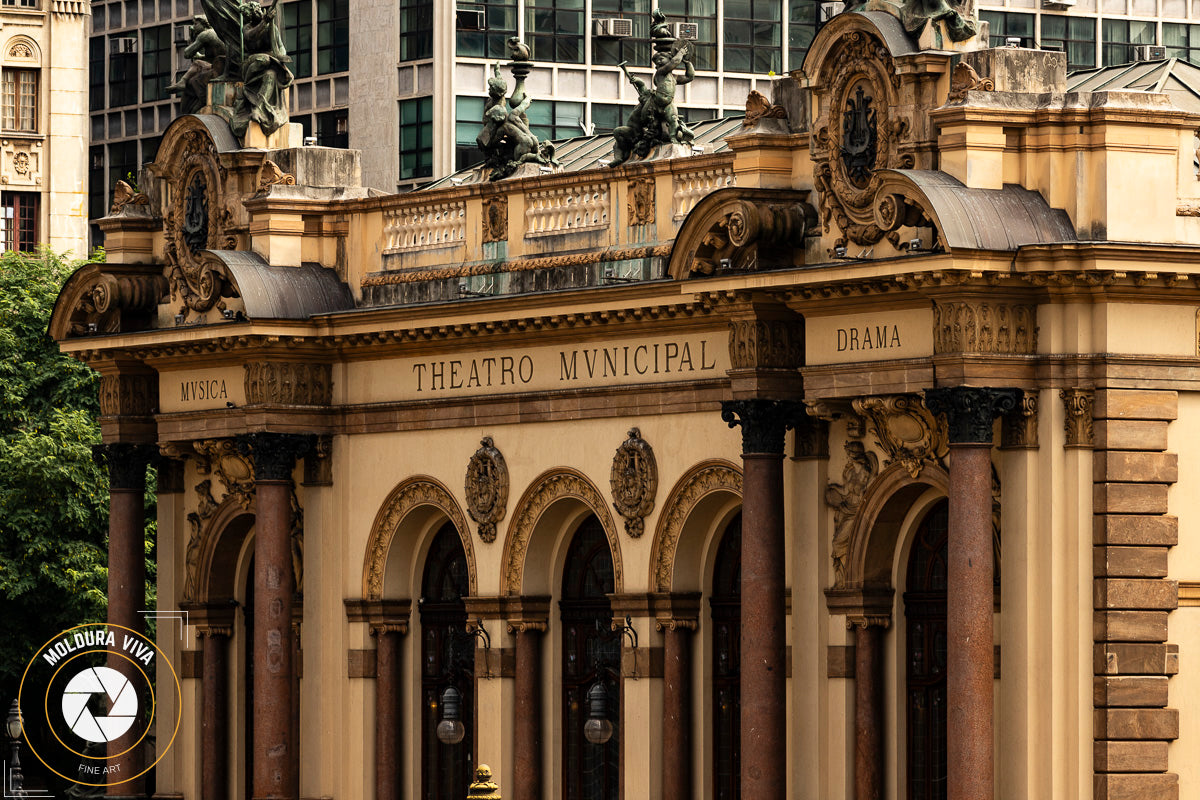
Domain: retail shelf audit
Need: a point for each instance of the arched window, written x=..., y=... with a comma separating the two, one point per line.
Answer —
x=447, y=659
x=925, y=615
x=591, y=655
x=726, y=612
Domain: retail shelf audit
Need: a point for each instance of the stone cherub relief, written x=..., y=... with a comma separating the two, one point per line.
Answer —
x=845, y=499
x=506, y=140
x=655, y=121
x=239, y=42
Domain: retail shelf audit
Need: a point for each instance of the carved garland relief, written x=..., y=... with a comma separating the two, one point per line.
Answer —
x=634, y=482
x=487, y=488
x=700, y=482
x=406, y=497
x=541, y=495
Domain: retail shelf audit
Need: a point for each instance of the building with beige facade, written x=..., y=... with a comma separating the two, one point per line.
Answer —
x=43, y=126
x=848, y=461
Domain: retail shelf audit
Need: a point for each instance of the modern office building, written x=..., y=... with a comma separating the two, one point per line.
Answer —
x=43, y=127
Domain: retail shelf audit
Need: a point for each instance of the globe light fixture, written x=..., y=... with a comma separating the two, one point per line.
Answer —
x=597, y=729
x=450, y=730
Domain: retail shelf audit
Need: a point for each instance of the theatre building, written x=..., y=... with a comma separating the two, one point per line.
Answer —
x=846, y=458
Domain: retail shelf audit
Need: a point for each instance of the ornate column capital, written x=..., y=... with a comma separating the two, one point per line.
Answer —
x=763, y=422
x=1077, y=421
x=127, y=462
x=869, y=621
x=274, y=454
x=971, y=410
x=396, y=626
x=676, y=624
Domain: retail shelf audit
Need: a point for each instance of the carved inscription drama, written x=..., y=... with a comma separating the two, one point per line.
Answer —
x=682, y=358
x=871, y=336
x=868, y=337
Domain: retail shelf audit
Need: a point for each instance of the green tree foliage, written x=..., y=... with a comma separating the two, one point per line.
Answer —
x=53, y=494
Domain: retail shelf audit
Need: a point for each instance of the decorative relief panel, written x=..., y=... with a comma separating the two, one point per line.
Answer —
x=845, y=498
x=641, y=202
x=424, y=226
x=487, y=488
x=235, y=471
x=1077, y=403
x=128, y=395
x=495, y=219
x=634, y=482
x=984, y=327
x=771, y=344
x=565, y=209
x=289, y=383
x=22, y=160
x=905, y=429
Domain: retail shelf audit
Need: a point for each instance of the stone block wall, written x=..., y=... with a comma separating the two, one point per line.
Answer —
x=1132, y=595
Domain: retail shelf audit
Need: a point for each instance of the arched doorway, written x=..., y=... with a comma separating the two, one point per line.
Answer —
x=726, y=659
x=447, y=659
x=925, y=660
x=591, y=654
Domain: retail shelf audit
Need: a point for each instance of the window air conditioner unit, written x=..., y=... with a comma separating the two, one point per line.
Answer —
x=182, y=35
x=470, y=19
x=828, y=11
x=685, y=30
x=613, y=28
x=1149, y=52
x=122, y=45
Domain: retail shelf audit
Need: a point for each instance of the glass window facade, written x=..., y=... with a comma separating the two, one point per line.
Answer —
x=555, y=119
x=704, y=14
x=96, y=73
x=802, y=27
x=333, y=36
x=18, y=220
x=1182, y=41
x=468, y=116
x=1005, y=24
x=499, y=23
x=634, y=49
x=753, y=36
x=296, y=22
x=1120, y=36
x=122, y=78
x=606, y=117
x=416, y=30
x=416, y=138
x=1076, y=36
x=156, y=62
x=333, y=128
x=554, y=30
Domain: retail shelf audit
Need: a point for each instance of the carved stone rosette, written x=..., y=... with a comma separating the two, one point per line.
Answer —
x=641, y=201
x=495, y=219
x=905, y=429
x=857, y=135
x=288, y=383
x=634, y=482
x=974, y=326
x=487, y=488
x=1077, y=405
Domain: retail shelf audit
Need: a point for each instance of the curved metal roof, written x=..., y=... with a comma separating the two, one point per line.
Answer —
x=981, y=219
x=283, y=292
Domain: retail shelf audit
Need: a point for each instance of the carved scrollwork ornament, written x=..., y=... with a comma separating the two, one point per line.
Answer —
x=487, y=488
x=1077, y=403
x=904, y=428
x=634, y=482
x=233, y=468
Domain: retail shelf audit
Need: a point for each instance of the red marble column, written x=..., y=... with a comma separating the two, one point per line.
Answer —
x=527, y=702
x=969, y=597
x=214, y=726
x=677, y=708
x=868, y=708
x=275, y=765
x=762, y=686
x=388, y=722
x=126, y=586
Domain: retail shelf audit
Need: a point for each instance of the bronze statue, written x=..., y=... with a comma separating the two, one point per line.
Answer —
x=506, y=140
x=656, y=120
x=207, y=52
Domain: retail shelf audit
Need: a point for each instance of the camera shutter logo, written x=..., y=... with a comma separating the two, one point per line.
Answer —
x=79, y=692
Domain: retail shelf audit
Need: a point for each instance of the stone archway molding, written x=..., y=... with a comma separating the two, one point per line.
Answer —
x=697, y=483
x=550, y=487
x=410, y=494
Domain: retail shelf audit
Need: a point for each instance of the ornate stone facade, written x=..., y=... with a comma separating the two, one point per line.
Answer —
x=487, y=488
x=634, y=482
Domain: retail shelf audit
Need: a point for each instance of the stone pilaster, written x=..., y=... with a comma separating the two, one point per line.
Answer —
x=1133, y=533
x=528, y=624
